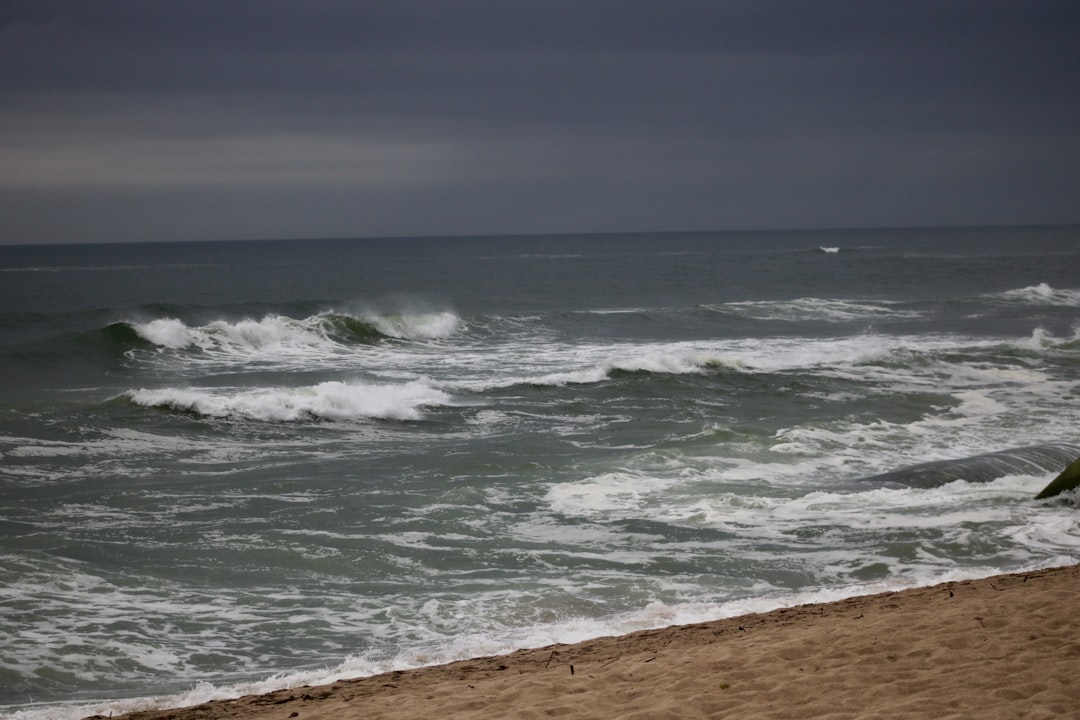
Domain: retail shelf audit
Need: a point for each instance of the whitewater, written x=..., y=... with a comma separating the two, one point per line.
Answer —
x=228, y=468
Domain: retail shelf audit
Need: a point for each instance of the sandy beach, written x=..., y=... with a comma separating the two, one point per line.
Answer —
x=1003, y=647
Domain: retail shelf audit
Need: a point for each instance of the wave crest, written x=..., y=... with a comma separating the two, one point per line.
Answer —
x=646, y=363
x=419, y=326
x=672, y=363
x=651, y=363
x=1042, y=339
x=325, y=401
x=277, y=331
x=1043, y=294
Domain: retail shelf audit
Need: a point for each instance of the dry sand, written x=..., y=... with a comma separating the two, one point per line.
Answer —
x=1004, y=647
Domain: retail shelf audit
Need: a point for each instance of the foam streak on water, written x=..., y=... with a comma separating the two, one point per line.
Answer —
x=350, y=457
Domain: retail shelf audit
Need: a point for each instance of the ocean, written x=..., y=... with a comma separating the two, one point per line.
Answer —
x=232, y=467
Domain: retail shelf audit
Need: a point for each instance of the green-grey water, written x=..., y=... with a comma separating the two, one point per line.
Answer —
x=229, y=466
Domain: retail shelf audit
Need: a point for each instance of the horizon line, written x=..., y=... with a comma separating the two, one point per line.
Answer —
x=527, y=235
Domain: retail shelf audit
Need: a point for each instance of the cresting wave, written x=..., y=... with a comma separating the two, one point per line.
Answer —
x=337, y=331
x=277, y=331
x=257, y=480
x=1043, y=294
x=324, y=401
x=866, y=354
x=648, y=362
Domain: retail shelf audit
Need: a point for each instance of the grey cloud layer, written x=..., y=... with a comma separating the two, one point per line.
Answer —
x=169, y=120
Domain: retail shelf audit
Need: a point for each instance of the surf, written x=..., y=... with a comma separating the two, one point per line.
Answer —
x=334, y=400
x=1041, y=294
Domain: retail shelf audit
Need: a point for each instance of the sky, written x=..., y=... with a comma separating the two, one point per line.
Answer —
x=140, y=120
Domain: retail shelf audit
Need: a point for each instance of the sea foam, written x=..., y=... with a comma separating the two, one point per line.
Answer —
x=326, y=401
x=471, y=645
x=1043, y=294
x=275, y=331
x=818, y=309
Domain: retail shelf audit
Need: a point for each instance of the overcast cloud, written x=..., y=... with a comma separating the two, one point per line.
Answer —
x=133, y=120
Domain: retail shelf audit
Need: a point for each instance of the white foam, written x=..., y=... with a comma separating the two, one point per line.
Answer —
x=329, y=400
x=660, y=360
x=679, y=362
x=589, y=364
x=713, y=496
x=272, y=333
x=604, y=494
x=43, y=448
x=279, y=338
x=1041, y=339
x=975, y=404
x=418, y=326
x=1043, y=294
x=652, y=615
x=167, y=332
x=574, y=377
x=821, y=309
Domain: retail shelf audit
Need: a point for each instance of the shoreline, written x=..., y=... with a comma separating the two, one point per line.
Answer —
x=1003, y=646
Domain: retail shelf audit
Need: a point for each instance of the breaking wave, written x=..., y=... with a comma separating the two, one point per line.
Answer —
x=324, y=401
x=273, y=331
x=1043, y=294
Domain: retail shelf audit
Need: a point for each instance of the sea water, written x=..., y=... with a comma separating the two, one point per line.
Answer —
x=239, y=466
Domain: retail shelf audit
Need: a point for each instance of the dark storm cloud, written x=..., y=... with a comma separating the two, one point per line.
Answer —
x=136, y=120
